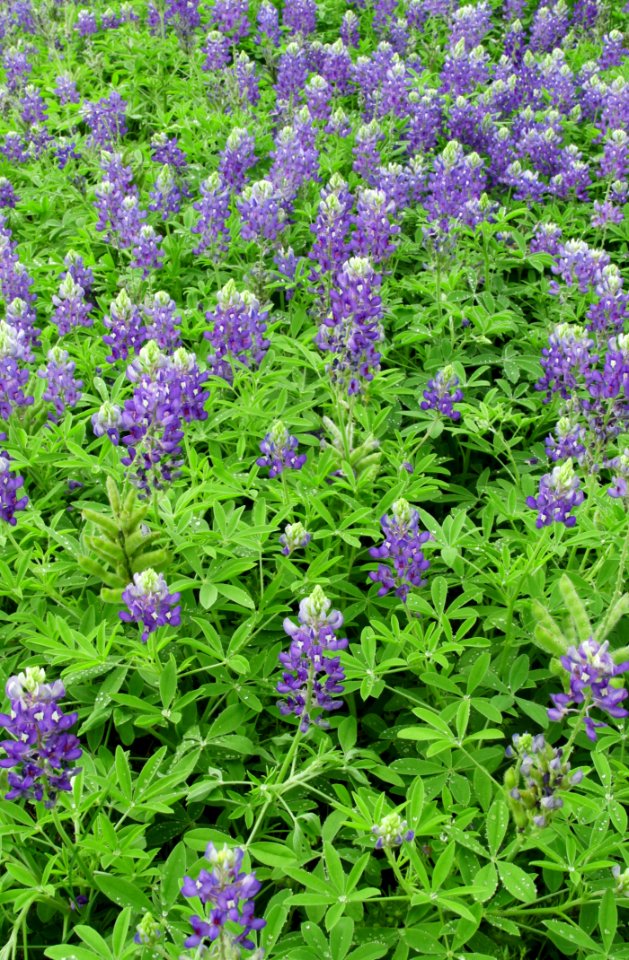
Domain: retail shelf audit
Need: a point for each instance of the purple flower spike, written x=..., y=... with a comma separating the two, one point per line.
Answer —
x=558, y=495
x=150, y=603
x=279, y=449
x=62, y=389
x=42, y=751
x=295, y=537
x=591, y=669
x=312, y=678
x=442, y=392
x=403, y=547
x=392, y=832
x=238, y=331
x=10, y=504
x=229, y=895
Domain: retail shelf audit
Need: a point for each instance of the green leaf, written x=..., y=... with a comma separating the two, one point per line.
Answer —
x=496, y=824
x=168, y=682
x=341, y=937
x=608, y=918
x=123, y=774
x=520, y=884
x=73, y=952
x=485, y=883
x=443, y=866
x=172, y=872
x=93, y=939
x=121, y=933
x=236, y=595
x=122, y=892
x=571, y=933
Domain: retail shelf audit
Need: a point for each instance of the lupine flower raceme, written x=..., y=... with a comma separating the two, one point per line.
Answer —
x=150, y=603
x=442, y=392
x=279, y=449
x=391, y=831
x=238, y=331
x=402, y=547
x=41, y=753
x=559, y=493
x=592, y=672
x=312, y=678
x=295, y=537
x=228, y=896
x=10, y=483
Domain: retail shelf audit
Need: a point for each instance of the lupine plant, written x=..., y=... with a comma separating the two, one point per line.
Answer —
x=314, y=479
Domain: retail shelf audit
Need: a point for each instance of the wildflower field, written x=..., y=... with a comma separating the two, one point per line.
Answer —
x=314, y=479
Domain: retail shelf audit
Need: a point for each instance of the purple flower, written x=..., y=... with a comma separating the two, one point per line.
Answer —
x=106, y=120
x=279, y=451
x=9, y=485
x=42, y=751
x=567, y=357
x=312, y=678
x=546, y=238
x=124, y=324
x=8, y=196
x=295, y=158
x=591, y=669
x=353, y=328
x=268, y=25
x=213, y=208
x=231, y=17
x=165, y=150
x=366, y=152
x=559, y=493
x=107, y=420
x=579, y=264
x=160, y=313
x=237, y=158
x=147, y=251
x=167, y=193
x=292, y=72
x=442, y=392
x=373, y=229
x=614, y=50
x=62, y=389
x=350, y=29
x=86, y=25
x=262, y=212
x=331, y=227
x=71, y=308
x=169, y=392
x=300, y=16
x=216, y=50
x=237, y=334
x=230, y=894
x=391, y=832
x=183, y=16
x=568, y=441
x=317, y=94
x=295, y=537
x=402, y=546
x=149, y=602
x=75, y=267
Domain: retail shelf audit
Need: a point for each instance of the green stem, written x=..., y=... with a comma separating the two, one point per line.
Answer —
x=75, y=856
x=397, y=872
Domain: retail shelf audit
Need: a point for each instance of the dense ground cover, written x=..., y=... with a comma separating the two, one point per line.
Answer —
x=313, y=479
